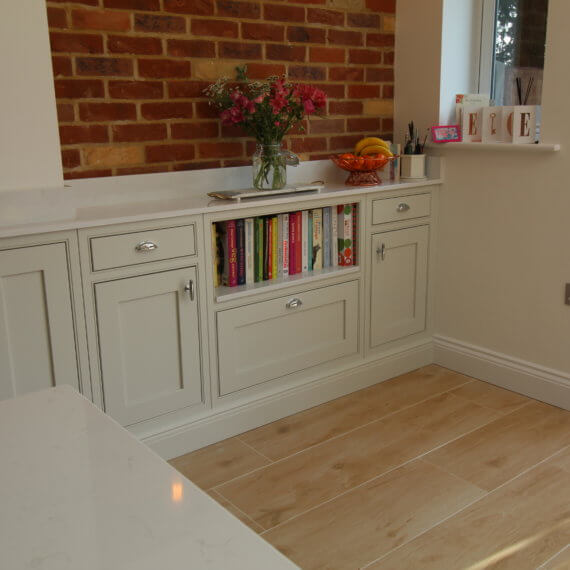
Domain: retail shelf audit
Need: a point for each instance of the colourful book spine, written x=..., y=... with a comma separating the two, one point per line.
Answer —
x=266, y=249
x=215, y=256
x=285, y=245
x=249, y=251
x=258, y=228
x=298, y=242
x=326, y=237
x=354, y=233
x=344, y=234
x=230, y=253
x=292, y=243
x=334, y=238
x=280, y=245
x=310, y=240
x=240, y=242
x=317, y=239
x=304, y=240
x=274, y=247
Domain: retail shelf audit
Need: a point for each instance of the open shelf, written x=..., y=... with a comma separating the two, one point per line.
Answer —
x=501, y=147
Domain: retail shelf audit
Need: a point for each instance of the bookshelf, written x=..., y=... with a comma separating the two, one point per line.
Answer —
x=271, y=251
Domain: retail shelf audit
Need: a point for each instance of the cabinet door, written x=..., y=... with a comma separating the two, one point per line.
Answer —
x=399, y=284
x=37, y=336
x=149, y=344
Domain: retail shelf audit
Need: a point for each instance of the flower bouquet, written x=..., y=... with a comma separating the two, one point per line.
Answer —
x=266, y=110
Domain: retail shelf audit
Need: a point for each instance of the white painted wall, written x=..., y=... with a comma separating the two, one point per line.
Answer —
x=29, y=140
x=503, y=250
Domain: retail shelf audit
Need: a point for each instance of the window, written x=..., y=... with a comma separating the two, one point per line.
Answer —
x=513, y=39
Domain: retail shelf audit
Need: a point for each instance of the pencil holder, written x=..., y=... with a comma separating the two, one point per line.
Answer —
x=413, y=166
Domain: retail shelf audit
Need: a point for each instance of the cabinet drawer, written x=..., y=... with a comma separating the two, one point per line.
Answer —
x=132, y=248
x=403, y=208
x=268, y=340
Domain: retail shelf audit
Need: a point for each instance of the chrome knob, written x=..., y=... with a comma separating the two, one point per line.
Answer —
x=294, y=303
x=146, y=246
x=403, y=207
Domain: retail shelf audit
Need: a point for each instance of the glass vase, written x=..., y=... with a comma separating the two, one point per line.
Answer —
x=270, y=166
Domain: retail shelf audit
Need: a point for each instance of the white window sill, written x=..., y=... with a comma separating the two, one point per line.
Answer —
x=503, y=147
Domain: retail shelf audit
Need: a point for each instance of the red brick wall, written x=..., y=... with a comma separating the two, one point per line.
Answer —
x=129, y=76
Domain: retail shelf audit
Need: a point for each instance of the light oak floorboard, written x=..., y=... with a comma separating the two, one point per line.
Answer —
x=497, y=452
x=215, y=464
x=491, y=396
x=517, y=527
x=305, y=429
x=289, y=487
x=561, y=561
x=235, y=511
x=368, y=522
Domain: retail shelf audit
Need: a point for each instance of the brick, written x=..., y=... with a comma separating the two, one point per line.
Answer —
x=299, y=128
x=382, y=5
x=198, y=130
x=103, y=66
x=186, y=89
x=167, y=110
x=233, y=131
x=388, y=58
x=106, y=20
x=136, y=89
x=344, y=37
x=363, y=21
x=363, y=91
x=87, y=174
x=74, y=134
x=364, y=56
x=65, y=112
x=218, y=28
x=220, y=149
x=159, y=24
x=379, y=74
x=320, y=126
x=262, y=32
x=107, y=111
x=345, y=108
x=191, y=48
x=382, y=107
x=264, y=70
x=232, y=9
x=327, y=17
x=237, y=162
x=387, y=125
x=205, y=111
x=332, y=91
x=364, y=124
x=239, y=50
x=345, y=142
x=79, y=88
x=283, y=13
x=197, y=7
x=380, y=40
x=387, y=91
x=139, y=132
x=128, y=44
x=130, y=170
x=389, y=24
x=346, y=74
x=57, y=17
x=197, y=165
x=168, y=152
x=61, y=66
x=308, y=144
x=148, y=5
x=113, y=155
x=307, y=72
x=326, y=55
x=70, y=158
x=76, y=43
x=285, y=52
x=302, y=34
x=85, y=2
x=161, y=68
x=212, y=69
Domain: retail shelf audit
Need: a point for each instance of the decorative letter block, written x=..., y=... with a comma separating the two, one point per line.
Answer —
x=492, y=124
x=524, y=124
x=472, y=123
x=507, y=124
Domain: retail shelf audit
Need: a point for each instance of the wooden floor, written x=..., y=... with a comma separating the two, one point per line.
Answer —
x=430, y=470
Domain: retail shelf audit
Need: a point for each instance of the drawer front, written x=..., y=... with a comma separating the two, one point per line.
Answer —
x=403, y=208
x=109, y=252
x=268, y=340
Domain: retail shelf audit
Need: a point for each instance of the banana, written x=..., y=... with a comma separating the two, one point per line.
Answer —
x=368, y=141
x=376, y=149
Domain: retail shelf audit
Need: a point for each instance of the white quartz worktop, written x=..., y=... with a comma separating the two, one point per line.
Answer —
x=102, y=201
x=78, y=492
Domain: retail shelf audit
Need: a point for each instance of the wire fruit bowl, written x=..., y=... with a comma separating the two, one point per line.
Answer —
x=363, y=169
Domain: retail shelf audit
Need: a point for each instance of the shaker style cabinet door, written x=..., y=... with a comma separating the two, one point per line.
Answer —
x=399, y=284
x=37, y=335
x=149, y=344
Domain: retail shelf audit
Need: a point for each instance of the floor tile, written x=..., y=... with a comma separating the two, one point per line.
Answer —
x=517, y=527
x=561, y=561
x=562, y=460
x=504, y=448
x=289, y=487
x=486, y=394
x=370, y=521
x=300, y=431
x=235, y=511
x=218, y=463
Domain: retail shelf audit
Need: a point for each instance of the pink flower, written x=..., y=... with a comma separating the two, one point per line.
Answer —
x=310, y=97
x=259, y=98
x=232, y=116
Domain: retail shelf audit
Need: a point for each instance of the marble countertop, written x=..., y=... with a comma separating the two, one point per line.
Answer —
x=78, y=492
x=103, y=201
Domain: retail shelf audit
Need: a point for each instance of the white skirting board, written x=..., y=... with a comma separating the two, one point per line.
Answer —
x=533, y=380
x=233, y=421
